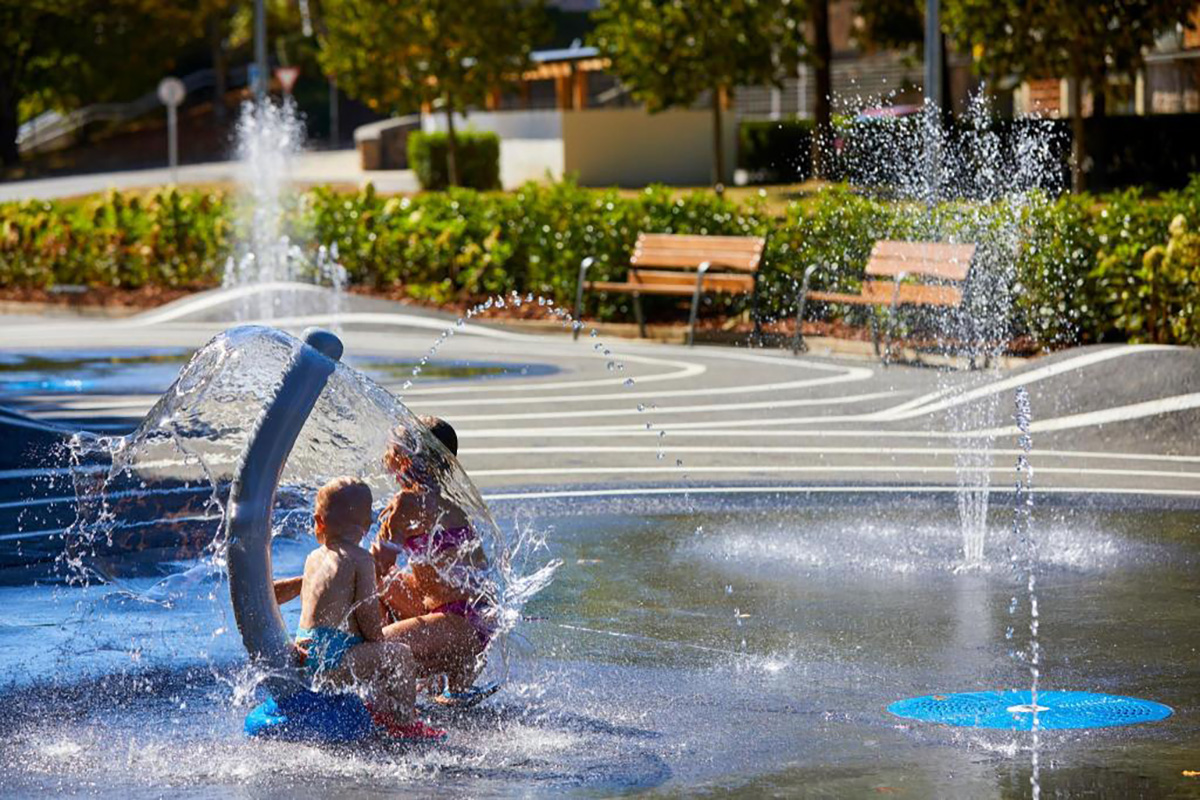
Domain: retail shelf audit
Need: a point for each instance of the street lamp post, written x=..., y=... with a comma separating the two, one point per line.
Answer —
x=260, y=50
x=933, y=54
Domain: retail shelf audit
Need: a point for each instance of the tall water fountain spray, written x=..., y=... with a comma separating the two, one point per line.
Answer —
x=1025, y=560
x=966, y=183
x=270, y=137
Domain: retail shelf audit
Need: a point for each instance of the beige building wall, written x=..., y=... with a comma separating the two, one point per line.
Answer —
x=630, y=147
x=523, y=160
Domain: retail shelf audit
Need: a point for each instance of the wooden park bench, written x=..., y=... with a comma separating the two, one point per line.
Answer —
x=916, y=274
x=683, y=266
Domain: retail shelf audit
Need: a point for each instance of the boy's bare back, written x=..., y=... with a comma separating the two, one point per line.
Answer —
x=338, y=589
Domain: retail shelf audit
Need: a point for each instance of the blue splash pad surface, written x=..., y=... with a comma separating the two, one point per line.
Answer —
x=311, y=717
x=1013, y=710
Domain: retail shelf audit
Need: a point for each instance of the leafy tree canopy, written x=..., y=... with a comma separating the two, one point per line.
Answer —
x=669, y=51
x=1058, y=37
x=399, y=55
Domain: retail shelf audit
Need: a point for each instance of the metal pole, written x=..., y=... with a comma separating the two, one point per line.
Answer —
x=173, y=142
x=334, y=135
x=260, y=49
x=933, y=54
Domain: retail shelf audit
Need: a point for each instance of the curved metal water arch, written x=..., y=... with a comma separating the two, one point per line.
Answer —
x=251, y=499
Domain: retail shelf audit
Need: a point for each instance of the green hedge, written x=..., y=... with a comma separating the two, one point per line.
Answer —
x=477, y=159
x=1081, y=268
x=167, y=238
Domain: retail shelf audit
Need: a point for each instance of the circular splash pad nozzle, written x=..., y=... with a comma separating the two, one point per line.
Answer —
x=1014, y=710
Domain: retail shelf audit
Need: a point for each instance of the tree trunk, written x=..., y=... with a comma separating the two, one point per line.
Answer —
x=1098, y=142
x=947, y=108
x=216, y=41
x=10, y=154
x=1078, y=145
x=718, y=150
x=451, y=148
x=822, y=54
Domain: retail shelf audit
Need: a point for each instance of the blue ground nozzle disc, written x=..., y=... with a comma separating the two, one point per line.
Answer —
x=1012, y=710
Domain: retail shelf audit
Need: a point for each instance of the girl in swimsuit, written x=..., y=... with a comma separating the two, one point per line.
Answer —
x=440, y=611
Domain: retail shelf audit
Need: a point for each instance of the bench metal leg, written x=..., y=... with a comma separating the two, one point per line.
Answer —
x=577, y=321
x=756, y=337
x=639, y=314
x=691, y=337
x=798, y=343
x=891, y=319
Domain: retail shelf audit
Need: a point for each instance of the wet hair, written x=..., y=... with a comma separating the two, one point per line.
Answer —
x=442, y=431
x=338, y=498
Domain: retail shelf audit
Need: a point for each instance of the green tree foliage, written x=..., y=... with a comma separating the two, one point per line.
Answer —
x=891, y=23
x=65, y=53
x=401, y=55
x=1050, y=38
x=670, y=51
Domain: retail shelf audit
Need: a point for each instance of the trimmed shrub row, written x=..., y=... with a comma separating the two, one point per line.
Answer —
x=477, y=157
x=1116, y=267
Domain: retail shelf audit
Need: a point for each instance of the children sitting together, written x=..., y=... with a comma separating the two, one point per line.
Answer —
x=366, y=622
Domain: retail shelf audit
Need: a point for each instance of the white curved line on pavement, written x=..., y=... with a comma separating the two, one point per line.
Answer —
x=822, y=469
x=1149, y=408
x=700, y=409
x=915, y=409
x=758, y=388
x=766, y=450
x=215, y=299
x=884, y=489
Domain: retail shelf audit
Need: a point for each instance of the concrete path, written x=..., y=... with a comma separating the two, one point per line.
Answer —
x=650, y=419
x=314, y=168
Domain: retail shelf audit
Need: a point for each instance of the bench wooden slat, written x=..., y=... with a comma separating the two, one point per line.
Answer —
x=679, y=290
x=711, y=284
x=735, y=253
x=841, y=297
x=699, y=242
x=717, y=281
x=930, y=259
x=880, y=293
x=694, y=260
x=946, y=250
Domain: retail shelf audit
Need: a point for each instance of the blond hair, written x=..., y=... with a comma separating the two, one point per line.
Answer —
x=338, y=499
